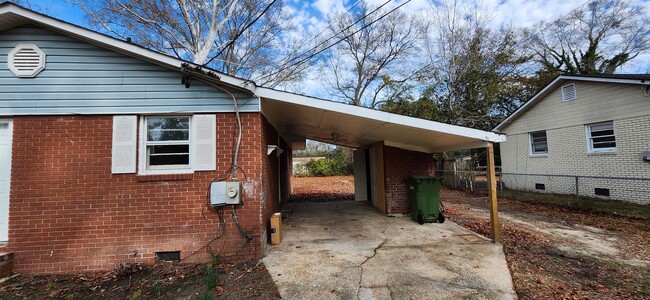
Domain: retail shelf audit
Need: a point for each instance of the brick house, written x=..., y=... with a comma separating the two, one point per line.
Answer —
x=106, y=158
x=586, y=125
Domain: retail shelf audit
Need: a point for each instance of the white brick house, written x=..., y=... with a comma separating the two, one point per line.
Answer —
x=582, y=125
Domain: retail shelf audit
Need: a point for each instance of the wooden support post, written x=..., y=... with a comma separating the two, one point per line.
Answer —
x=492, y=189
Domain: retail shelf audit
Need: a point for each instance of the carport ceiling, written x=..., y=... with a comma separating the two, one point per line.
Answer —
x=299, y=117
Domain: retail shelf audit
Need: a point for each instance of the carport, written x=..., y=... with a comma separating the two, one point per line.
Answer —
x=388, y=146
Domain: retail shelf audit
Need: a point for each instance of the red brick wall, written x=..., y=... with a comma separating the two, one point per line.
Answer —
x=69, y=213
x=270, y=178
x=399, y=164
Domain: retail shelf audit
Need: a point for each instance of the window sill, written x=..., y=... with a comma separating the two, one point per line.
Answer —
x=165, y=177
x=537, y=155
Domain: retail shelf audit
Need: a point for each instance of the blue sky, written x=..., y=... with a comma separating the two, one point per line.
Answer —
x=518, y=13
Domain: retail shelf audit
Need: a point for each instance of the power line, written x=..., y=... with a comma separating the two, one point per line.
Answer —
x=340, y=40
x=240, y=33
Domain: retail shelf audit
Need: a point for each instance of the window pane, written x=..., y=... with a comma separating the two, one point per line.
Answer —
x=602, y=127
x=168, y=129
x=168, y=155
x=168, y=123
x=601, y=145
x=538, y=142
x=602, y=133
x=156, y=135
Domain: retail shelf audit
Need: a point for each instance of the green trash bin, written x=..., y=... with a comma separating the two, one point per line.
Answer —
x=424, y=196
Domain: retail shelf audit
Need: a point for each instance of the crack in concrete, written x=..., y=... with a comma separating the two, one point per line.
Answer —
x=374, y=253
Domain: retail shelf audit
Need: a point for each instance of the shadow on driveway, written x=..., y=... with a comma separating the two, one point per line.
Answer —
x=349, y=250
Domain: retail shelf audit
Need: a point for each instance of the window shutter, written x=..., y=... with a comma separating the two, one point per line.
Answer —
x=124, y=144
x=205, y=142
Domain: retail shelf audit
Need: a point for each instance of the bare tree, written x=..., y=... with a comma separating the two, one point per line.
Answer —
x=244, y=38
x=476, y=73
x=595, y=39
x=188, y=28
x=367, y=62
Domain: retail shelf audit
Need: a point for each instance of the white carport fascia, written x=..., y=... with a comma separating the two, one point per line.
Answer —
x=482, y=138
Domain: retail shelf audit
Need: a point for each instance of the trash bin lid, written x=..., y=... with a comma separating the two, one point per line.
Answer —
x=423, y=177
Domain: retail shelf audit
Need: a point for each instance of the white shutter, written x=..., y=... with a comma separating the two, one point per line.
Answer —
x=124, y=144
x=204, y=139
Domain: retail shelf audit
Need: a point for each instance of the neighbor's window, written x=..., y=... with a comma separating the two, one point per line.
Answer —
x=538, y=143
x=167, y=143
x=600, y=137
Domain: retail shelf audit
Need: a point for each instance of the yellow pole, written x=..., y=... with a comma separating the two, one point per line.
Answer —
x=492, y=190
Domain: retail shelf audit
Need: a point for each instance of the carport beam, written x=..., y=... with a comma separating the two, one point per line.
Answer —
x=492, y=190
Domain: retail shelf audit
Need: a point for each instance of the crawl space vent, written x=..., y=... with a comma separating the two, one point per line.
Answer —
x=168, y=256
x=540, y=186
x=601, y=192
x=569, y=92
x=26, y=60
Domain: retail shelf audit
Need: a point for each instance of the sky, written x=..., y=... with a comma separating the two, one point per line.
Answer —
x=311, y=14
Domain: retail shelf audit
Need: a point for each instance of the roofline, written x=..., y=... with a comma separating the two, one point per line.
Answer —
x=115, y=44
x=539, y=95
x=368, y=113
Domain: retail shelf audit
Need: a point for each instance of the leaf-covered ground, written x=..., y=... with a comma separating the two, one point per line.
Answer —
x=559, y=253
x=322, y=189
x=248, y=280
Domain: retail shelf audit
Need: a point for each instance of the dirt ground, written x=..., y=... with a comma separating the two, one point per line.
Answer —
x=248, y=280
x=322, y=189
x=552, y=252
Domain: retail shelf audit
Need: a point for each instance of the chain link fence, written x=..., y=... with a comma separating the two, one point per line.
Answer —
x=617, y=195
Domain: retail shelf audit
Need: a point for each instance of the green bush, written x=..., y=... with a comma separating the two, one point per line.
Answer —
x=339, y=163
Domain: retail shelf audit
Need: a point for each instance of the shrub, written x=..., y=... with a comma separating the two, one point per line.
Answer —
x=339, y=163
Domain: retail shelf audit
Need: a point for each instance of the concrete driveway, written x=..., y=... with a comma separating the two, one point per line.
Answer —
x=349, y=250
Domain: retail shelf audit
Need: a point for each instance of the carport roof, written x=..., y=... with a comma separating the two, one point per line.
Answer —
x=298, y=117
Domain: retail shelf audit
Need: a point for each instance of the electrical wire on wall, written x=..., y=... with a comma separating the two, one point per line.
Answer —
x=231, y=172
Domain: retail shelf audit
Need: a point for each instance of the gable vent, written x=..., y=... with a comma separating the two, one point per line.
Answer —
x=569, y=92
x=26, y=60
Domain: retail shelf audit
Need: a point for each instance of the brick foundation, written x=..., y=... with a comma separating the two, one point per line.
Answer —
x=399, y=164
x=68, y=212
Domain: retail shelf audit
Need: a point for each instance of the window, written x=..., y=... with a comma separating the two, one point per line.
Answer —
x=167, y=143
x=600, y=137
x=568, y=92
x=538, y=143
x=164, y=145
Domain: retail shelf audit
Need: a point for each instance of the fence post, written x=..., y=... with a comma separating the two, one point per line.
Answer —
x=577, y=191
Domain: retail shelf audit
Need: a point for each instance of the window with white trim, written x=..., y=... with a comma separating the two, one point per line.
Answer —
x=538, y=143
x=167, y=142
x=601, y=137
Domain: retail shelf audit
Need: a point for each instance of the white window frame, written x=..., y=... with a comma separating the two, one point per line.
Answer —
x=590, y=147
x=162, y=170
x=530, y=144
x=575, y=92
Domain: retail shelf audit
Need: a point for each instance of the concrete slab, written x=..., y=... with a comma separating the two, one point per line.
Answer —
x=349, y=250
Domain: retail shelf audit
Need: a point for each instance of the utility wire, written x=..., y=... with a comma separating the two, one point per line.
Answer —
x=240, y=33
x=340, y=40
x=287, y=63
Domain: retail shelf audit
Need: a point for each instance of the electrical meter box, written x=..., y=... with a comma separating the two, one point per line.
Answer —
x=225, y=192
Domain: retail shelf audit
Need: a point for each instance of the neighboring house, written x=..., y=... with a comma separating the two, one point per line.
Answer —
x=108, y=151
x=582, y=125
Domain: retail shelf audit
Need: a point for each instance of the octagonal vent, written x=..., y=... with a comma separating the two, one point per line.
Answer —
x=26, y=60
